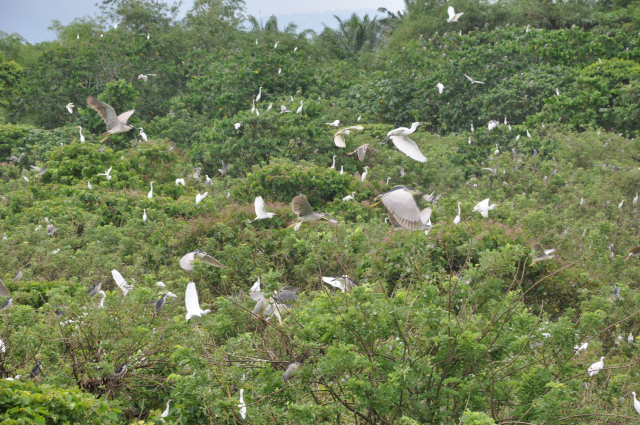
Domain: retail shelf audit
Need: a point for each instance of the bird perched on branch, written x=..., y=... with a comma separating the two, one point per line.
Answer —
x=276, y=304
x=115, y=123
x=290, y=370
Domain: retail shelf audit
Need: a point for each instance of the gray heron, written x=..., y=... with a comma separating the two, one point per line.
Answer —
x=7, y=304
x=95, y=289
x=160, y=303
x=186, y=262
x=616, y=291
x=541, y=254
x=301, y=207
x=405, y=145
x=115, y=123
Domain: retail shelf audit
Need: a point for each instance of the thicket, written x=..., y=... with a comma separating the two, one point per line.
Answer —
x=453, y=327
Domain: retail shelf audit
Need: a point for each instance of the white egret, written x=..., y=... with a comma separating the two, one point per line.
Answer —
x=237, y=125
x=493, y=124
x=635, y=200
x=148, y=36
x=295, y=49
x=122, y=284
x=541, y=254
x=186, y=262
x=283, y=109
x=299, y=110
x=453, y=16
x=636, y=403
x=70, y=107
x=89, y=185
x=270, y=106
x=469, y=142
x=472, y=80
x=150, y=194
x=144, y=215
x=253, y=107
x=161, y=284
x=191, y=302
x=343, y=283
x=405, y=145
x=180, y=181
x=595, y=368
x=259, y=95
x=2, y=347
x=333, y=124
x=242, y=406
x=621, y=204
x=338, y=138
x=301, y=207
x=261, y=210
x=528, y=134
x=517, y=137
x=144, y=77
x=166, y=411
x=364, y=175
x=457, y=219
x=143, y=135
x=483, y=207
x=472, y=130
x=440, y=87
x=630, y=338
x=81, y=136
x=497, y=151
x=106, y=174
x=333, y=164
x=557, y=92
x=276, y=45
x=341, y=169
x=256, y=286
x=359, y=118
x=349, y=197
x=200, y=197
x=580, y=348
x=279, y=71
x=257, y=112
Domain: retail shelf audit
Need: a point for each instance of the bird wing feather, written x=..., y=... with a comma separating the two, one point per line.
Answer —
x=300, y=206
x=338, y=139
x=4, y=291
x=256, y=295
x=451, y=11
x=204, y=257
x=408, y=147
x=122, y=284
x=261, y=207
x=124, y=117
x=537, y=248
x=191, y=299
x=107, y=113
x=425, y=216
x=186, y=262
x=403, y=207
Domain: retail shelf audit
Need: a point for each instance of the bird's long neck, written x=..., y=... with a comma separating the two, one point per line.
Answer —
x=414, y=126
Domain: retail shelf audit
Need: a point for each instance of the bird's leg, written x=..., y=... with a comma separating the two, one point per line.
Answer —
x=289, y=227
x=108, y=134
x=377, y=203
x=384, y=141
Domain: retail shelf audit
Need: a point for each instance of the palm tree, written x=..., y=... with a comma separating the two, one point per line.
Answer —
x=355, y=34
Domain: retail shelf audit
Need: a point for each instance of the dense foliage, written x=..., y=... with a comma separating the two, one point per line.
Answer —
x=453, y=327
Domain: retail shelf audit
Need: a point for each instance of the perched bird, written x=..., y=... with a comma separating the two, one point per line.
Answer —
x=457, y=219
x=493, y=124
x=261, y=210
x=630, y=338
x=343, y=283
x=621, y=204
x=402, y=206
x=115, y=123
x=283, y=109
x=200, y=197
x=364, y=174
x=290, y=370
x=81, y=136
x=301, y=207
x=349, y=197
x=259, y=95
x=103, y=295
x=106, y=174
x=270, y=106
x=242, y=406
x=144, y=215
x=166, y=411
x=143, y=135
x=595, y=368
x=616, y=291
x=405, y=145
x=18, y=276
x=453, y=16
x=186, y=262
x=497, y=151
x=160, y=303
x=299, y=110
x=180, y=181
x=361, y=151
x=117, y=374
x=636, y=403
x=541, y=254
x=37, y=370
x=70, y=107
x=7, y=304
x=635, y=252
x=635, y=200
x=483, y=207
x=191, y=302
x=472, y=80
x=338, y=138
x=440, y=87
x=256, y=286
x=51, y=229
x=94, y=290
x=122, y=284
x=333, y=164
x=150, y=194
x=237, y=125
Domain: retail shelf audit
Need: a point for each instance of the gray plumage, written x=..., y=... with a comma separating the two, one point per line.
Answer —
x=186, y=262
x=290, y=370
x=161, y=302
x=400, y=203
x=37, y=369
x=616, y=292
x=301, y=207
x=344, y=283
x=18, y=276
x=94, y=289
x=115, y=123
x=4, y=291
x=120, y=371
x=361, y=151
x=51, y=229
x=5, y=305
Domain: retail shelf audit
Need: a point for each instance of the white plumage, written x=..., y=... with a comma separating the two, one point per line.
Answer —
x=261, y=210
x=595, y=368
x=200, y=197
x=191, y=302
x=338, y=138
x=405, y=145
x=483, y=207
x=122, y=284
x=180, y=181
x=453, y=16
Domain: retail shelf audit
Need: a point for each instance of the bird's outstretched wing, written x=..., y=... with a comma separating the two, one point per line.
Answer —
x=408, y=147
x=425, y=216
x=537, y=248
x=338, y=139
x=124, y=117
x=403, y=208
x=361, y=151
x=300, y=206
x=191, y=299
x=4, y=291
x=107, y=113
x=261, y=207
x=452, y=12
x=206, y=258
x=122, y=284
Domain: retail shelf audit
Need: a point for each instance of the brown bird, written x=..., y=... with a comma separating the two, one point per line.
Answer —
x=635, y=252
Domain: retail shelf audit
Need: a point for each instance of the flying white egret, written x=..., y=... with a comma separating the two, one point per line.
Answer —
x=166, y=411
x=472, y=80
x=261, y=210
x=150, y=194
x=242, y=406
x=440, y=87
x=333, y=124
x=364, y=175
x=338, y=138
x=301, y=207
x=580, y=348
x=106, y=174
x=259, y=95
x=405, y=145
x=595, y=368
x=483, y=207
x=541, y=254
x=180, y=181
x=457, y=219
x=349, y=197
x=191, y=302
x=636, y=403
x=453, y=16
x=343, y=283
x=144, y=77
x=186, y=262
x=299, y=110
x=81, y=136
x=70, y=107
x=122, y=284
x=333, y=164
x=200, y=197
x=143, y=135
x=237, y=125
x=493, y=124
x=144, y=215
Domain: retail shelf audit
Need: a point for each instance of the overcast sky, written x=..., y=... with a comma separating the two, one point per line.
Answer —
x=30, y=18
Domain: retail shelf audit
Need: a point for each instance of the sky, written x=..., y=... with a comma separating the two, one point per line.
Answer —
x=30, y=18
